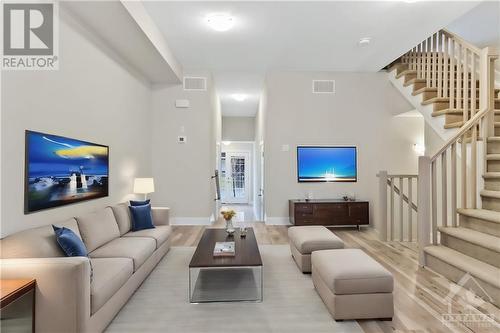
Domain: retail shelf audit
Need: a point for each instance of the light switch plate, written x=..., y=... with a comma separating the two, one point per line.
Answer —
x=285, y=147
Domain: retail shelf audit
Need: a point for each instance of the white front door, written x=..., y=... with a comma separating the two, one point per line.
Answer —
x=235, y=177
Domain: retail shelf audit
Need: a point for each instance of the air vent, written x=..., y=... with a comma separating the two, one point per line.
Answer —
x=195, y=83
x=323, y=87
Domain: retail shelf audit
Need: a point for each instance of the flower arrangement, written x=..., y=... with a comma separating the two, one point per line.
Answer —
x=228, y=214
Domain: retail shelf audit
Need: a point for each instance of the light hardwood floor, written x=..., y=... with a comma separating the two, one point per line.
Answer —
x=421, y=296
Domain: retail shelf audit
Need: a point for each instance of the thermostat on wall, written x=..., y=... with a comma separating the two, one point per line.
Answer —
x=182, y=103
x=181, y=139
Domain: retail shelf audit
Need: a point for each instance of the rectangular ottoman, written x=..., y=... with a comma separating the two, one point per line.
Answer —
x=353, y=285
x=306, y=239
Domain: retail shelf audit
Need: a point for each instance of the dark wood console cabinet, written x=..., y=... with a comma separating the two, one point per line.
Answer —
x=329, y=212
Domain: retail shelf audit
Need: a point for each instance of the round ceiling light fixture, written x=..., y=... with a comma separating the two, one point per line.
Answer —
x=239, y=97
x=365, y=41
x=220, y=21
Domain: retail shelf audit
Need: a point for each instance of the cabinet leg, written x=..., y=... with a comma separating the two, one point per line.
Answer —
x=358, y=228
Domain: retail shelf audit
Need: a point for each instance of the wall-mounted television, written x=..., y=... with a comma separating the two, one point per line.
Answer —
x=326, y=164
x=61, y=171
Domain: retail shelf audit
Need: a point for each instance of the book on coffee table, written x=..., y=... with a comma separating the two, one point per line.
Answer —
x=224, y=249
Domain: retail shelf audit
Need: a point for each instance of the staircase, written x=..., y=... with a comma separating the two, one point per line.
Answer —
x=458, y=222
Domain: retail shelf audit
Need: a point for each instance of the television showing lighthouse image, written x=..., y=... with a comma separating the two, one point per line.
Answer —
x=326, y=164
x=61, y=171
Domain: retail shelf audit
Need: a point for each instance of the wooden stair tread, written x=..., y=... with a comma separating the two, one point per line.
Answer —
x=455, y=111
x=414, y=80
x=476, y=268
x=490, y=193
x=493, y=157
x=406, y=72
x=447, y=99
x=491, y=175
x=472, y=236
x=494, y=139
x=453, y=125
x=481, y=214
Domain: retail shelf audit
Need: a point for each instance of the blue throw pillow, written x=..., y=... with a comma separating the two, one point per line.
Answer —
x=141, y=217
x=139, y=203
x=69, y=242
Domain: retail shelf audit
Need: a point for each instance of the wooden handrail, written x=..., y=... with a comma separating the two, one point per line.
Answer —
x=467, y=126
x=462, y=41
x=405, y=198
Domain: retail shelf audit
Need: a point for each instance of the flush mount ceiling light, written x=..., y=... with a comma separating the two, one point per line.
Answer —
x=364, y=41
x=220, y=21
x=239, y=97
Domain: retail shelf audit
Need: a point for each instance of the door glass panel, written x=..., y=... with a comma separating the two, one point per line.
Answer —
x=234, y=177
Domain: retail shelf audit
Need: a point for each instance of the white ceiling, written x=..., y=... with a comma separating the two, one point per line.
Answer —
x=309, y=36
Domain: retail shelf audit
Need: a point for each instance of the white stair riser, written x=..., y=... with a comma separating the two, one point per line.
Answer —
x=492, y=184
x=494, y=165
x=491, y=203
x=472, y=250
x=493, y=147
x=455, y=274
x=487, y=227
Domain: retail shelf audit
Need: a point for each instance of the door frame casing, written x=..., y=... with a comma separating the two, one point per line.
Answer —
x=249, y=185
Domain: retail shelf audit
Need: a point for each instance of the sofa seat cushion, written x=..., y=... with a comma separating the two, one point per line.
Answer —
x=307, y=239
x=98, y=228
x=110, y=274
x=139, y=249
x=160, y=234
x=351, y=271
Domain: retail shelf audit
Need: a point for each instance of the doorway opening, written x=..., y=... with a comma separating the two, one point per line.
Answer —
x=237, y=179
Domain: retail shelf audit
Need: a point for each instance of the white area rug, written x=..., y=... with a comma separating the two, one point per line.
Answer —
x=290, y=302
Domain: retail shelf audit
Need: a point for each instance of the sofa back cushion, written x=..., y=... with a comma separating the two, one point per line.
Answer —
x=123, y=218
x=36, y=243
x=98, y=228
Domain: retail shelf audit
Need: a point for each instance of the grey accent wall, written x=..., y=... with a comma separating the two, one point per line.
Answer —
x=360, y=113
x=93, y=96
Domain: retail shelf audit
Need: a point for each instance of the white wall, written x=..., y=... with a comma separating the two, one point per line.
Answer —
x=183, y=171
x=360, y=113
x=94, y=97
x=480, y=26
x=238, y=128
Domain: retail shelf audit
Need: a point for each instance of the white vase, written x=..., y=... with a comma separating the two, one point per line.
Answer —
x=229, y=227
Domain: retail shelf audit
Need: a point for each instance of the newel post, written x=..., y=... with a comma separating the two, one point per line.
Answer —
x=382, y=209
x=424, y=207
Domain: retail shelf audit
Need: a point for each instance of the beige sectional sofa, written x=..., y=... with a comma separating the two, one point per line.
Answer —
x=68, y=298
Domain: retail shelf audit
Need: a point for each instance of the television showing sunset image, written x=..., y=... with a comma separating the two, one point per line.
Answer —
x=326, y=164
x=61, y=171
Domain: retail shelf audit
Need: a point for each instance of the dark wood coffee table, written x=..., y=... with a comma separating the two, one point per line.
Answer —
x=226, y=279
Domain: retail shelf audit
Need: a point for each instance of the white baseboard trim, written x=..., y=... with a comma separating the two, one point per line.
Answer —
x=191, y=220
x=277, y=220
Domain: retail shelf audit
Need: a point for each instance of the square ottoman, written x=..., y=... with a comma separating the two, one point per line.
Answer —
x=306, y=239
x=352, y=284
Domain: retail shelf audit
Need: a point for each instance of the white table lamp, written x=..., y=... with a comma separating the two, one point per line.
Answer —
x=144, y=186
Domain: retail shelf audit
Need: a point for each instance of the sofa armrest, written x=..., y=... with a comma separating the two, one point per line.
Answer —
x=62, y=290
x=160, y=215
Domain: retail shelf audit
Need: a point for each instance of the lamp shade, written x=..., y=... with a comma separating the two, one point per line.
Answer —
x=144, y=185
